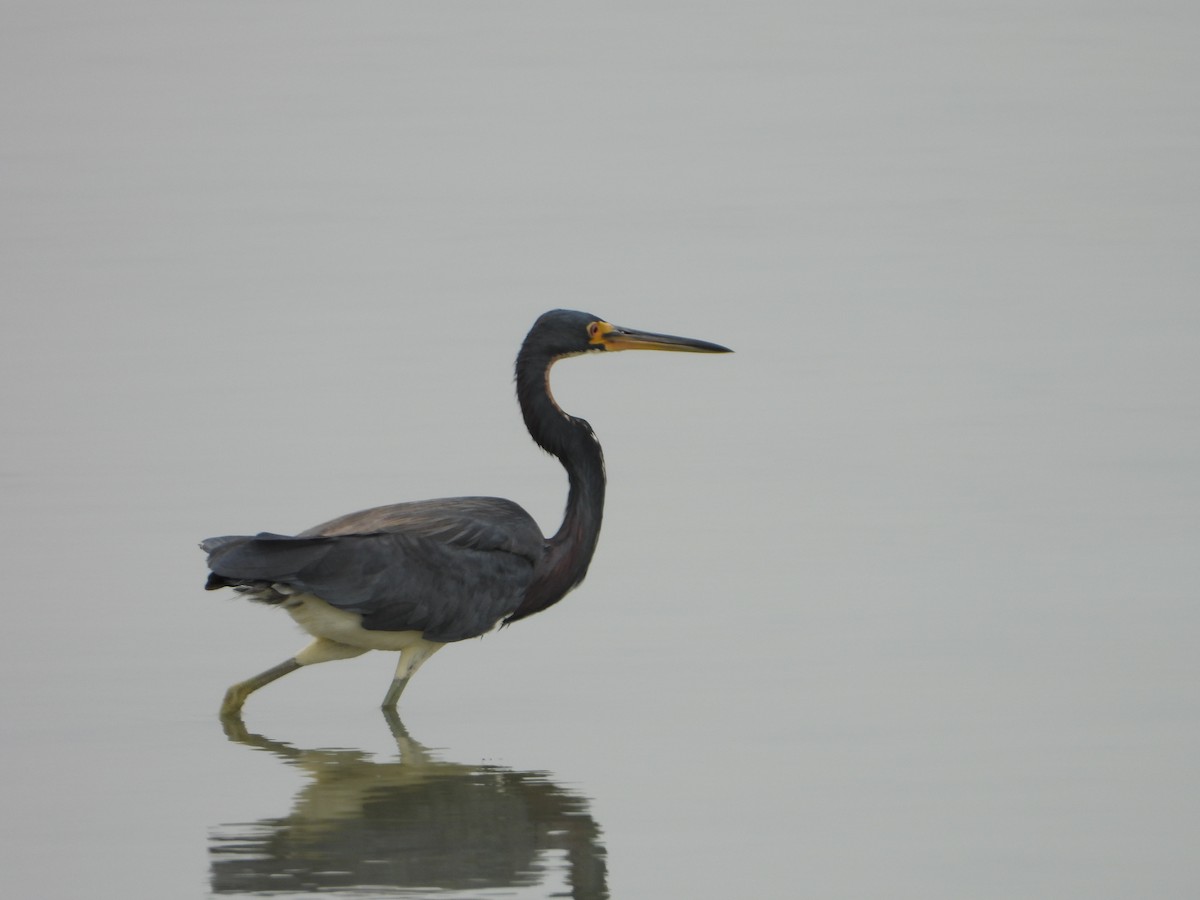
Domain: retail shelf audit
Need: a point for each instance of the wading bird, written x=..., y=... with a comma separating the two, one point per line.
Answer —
x=416, y=576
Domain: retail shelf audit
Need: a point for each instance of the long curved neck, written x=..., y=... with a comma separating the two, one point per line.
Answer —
x=571, y=440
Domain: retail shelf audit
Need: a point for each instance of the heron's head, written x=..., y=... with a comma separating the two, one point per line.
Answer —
x=566, y=332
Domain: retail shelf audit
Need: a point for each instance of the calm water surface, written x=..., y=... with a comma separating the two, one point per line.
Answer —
x=897, y=601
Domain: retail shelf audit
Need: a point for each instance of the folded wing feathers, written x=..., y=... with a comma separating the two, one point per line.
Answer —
x=450, y=568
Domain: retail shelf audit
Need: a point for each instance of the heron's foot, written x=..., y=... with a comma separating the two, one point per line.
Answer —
x=234, y=727
x=235, y=698
x=393, y=694
x=236, y=695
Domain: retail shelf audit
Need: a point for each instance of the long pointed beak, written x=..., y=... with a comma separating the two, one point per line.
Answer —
x=615, y=338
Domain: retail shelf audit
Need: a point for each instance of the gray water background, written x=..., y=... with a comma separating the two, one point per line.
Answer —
x=898, y=601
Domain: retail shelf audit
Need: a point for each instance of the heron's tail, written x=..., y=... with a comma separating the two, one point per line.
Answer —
x=258, y=566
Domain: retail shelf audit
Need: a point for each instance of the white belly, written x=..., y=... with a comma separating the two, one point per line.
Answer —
x=321, y=620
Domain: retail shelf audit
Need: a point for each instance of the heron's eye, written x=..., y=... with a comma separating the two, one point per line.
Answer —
x=597, y=332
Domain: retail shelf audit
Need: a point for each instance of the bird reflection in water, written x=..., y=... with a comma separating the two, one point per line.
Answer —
x=412, y=823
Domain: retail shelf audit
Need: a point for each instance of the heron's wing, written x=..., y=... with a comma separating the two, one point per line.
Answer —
x=450, y=569
x=481, y=523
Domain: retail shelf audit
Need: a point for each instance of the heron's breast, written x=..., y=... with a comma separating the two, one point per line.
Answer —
x=320, y=619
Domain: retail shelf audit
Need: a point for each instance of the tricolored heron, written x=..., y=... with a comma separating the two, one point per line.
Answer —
x=414, y=577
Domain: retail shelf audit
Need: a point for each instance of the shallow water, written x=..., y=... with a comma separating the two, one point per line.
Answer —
x=405, y=823
x=899, y=600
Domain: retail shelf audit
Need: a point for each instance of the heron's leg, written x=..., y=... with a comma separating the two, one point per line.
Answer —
x=412, y=658
x=236, y=695
x=319, y=651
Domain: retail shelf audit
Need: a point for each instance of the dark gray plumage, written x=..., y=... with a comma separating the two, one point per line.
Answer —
x=413, y=577
x=450, y=569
